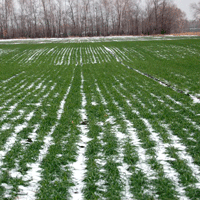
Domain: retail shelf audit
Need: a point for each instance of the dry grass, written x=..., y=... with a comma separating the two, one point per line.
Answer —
x=186, y=33
x=175, y=34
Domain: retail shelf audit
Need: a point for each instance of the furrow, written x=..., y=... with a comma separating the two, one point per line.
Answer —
x=12, y=139
x=163, y=158
x=143, y=159
x=33, y=175
x=79, y=167
x=182, y=153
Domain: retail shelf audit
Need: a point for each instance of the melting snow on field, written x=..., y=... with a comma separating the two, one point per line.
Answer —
x=162, y=158
x=92, y=39
x=33, y=175
x=79, y=167
x=13, y=138
x=196, y=98
x=42, y=88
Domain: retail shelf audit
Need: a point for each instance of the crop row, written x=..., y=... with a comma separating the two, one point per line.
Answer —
x=103, y=131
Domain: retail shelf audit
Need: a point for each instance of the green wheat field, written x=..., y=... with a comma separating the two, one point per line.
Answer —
x=101, y=119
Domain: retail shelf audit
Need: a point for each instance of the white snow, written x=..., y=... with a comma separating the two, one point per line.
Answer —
x=93, y=39
x=182, y=153
x=5, y=126
x=123, y=168
x=112, y=53
x=131, y=132
x=5, y=81
x=176, y=102
x=29, y=116
x=195, y=99
x=11, y=141
x=94, y=103
x=33, y=135
x=78, y=167
x=69, y=57
x=102, y=98
x=162, y=158
x=34, y=173
x=8, y=189
x=111, y=120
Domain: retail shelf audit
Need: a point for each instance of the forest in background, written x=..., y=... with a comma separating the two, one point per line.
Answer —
x=63, y=18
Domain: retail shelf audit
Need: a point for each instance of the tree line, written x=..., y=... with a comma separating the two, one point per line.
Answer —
x=63, y=18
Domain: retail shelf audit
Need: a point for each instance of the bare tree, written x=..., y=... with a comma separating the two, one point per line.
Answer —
x=106, y=4
x=156, y=4
x=148, y=18
x=196, y=10
x=47, y=6
x=74, y=16
x=136, y=17
x=58, y=18
x=120, y=6
x=177, y=19
x=71, y=14
x=6, y=7
x=85, y=8
x=33, y=10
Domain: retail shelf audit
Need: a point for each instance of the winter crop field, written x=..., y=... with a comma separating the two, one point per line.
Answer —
x=100, y=120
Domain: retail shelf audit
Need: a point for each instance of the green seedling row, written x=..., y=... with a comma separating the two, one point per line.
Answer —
x=100, y=120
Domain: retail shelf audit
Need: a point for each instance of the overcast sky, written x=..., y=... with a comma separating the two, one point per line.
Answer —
x=184, y=5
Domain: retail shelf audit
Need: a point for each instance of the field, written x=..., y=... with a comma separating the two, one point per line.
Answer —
x=100, y=120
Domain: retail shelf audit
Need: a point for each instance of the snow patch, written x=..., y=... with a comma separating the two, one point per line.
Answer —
x=5, y=126
x=79, y=167
x=195, y=99
x=94, y=103
x=162, y=158
x=33, y=175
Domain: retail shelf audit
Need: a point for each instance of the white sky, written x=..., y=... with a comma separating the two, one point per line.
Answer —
x=184, y=5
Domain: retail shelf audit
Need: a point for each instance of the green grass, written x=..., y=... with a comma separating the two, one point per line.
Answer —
x=112, y=91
